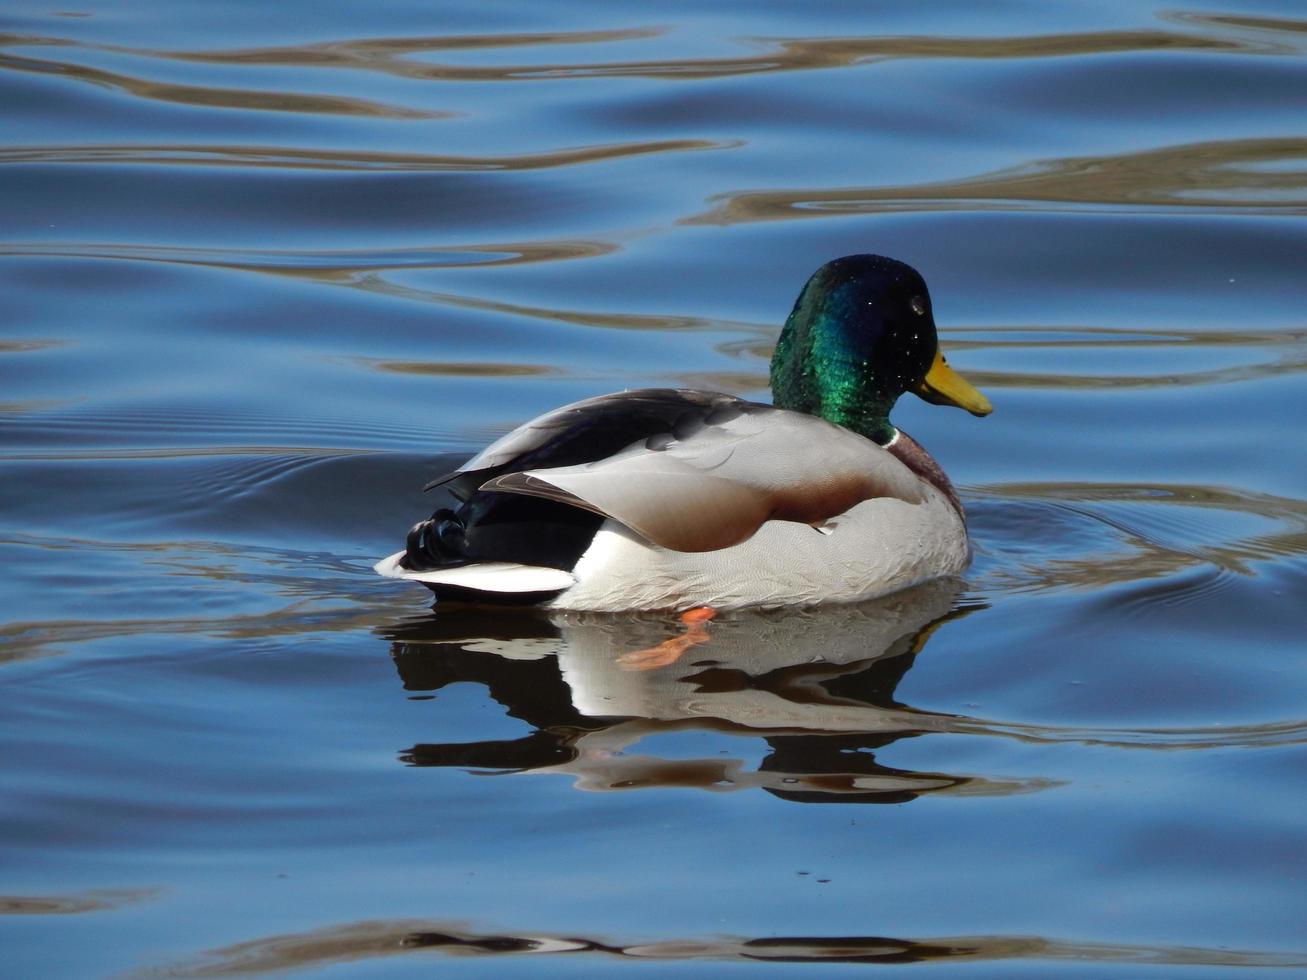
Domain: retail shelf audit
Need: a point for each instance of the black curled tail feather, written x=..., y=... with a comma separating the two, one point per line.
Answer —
x=436, y=542
x=504, y=527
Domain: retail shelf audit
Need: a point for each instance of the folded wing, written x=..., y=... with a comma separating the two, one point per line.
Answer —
x=718, y=483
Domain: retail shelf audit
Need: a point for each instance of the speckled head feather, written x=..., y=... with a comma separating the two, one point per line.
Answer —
x=861, y=334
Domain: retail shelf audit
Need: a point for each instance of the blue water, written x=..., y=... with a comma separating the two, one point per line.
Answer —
x=265, y=270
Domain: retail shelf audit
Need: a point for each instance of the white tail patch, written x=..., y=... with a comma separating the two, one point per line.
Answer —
x=487, y=576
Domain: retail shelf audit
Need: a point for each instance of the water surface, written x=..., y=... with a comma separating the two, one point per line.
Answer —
x=263, y=273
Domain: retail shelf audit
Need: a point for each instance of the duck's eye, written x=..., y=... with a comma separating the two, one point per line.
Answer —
x=918, y=304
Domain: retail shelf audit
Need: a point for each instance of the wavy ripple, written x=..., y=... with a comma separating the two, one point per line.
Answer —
x=392, y=56
x=223, y=98
x=1234, y=175
x=75, y=433
x=1158, y=532
x=354, y=160
x=99, y=900
x=191, y=524
x=1264, y=735
x=368, y=941
x=301, y=592
x=330, y=265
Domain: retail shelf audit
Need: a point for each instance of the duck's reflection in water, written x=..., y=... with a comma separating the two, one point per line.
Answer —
x=817, y=684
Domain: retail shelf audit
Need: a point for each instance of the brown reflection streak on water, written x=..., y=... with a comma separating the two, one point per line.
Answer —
x=372, y=940
x=27, y=346
x=1094, y=336
x=1276, y=25
x=779, y=54
x=331, y=266
x=34, y=405
x=360, y=53
x=619, y=321
x=366, y=278
x=100, y=900
x=449, y=369
x=29, y=640
x=1190, y=175
x=1227, y=375
x=1290, y=348
x=381, y=53
x=306, y=158
x=224, y=98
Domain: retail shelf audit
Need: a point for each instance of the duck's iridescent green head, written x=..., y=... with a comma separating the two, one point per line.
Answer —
x=861, y=334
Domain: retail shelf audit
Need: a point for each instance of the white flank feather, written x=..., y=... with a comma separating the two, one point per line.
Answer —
x=487, y=576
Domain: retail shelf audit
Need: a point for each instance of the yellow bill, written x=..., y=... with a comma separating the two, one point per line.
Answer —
x=944, y=386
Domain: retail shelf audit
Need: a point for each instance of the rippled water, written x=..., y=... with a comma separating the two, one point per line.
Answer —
x=264, y=270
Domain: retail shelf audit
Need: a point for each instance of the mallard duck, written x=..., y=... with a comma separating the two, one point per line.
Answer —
x=679, y=499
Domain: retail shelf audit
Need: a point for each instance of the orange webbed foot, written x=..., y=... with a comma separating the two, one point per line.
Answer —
x=669, y=651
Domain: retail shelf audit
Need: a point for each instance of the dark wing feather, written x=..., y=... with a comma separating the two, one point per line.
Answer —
x=593, y=429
